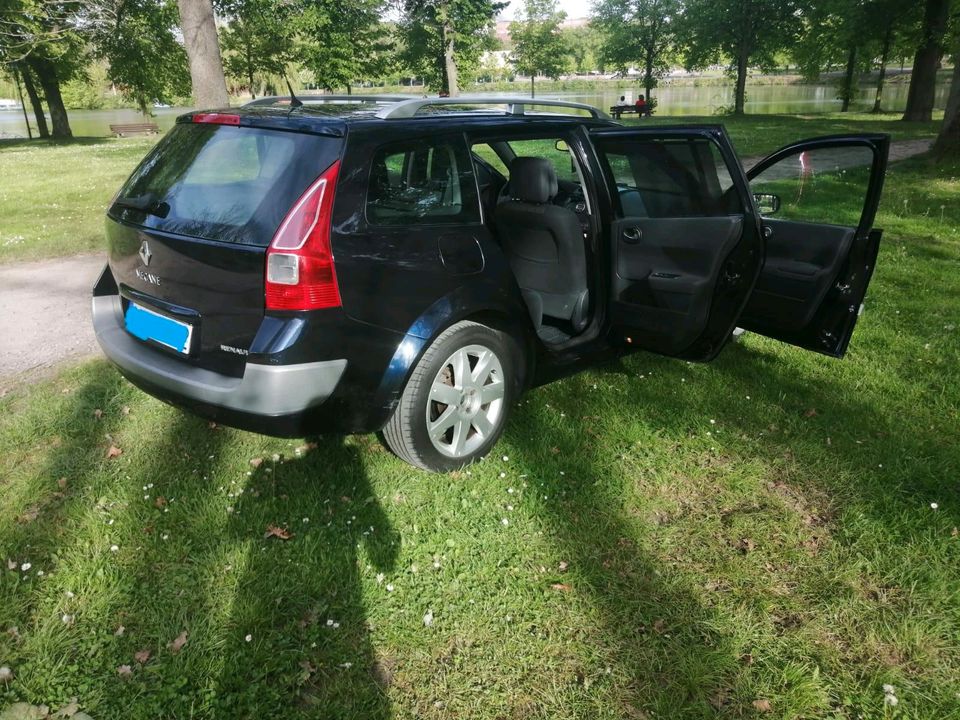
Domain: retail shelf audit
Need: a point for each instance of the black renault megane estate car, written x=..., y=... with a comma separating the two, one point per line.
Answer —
x=409, y=266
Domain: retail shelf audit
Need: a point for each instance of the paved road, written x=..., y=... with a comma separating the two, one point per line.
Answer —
x=45, y=314
x=45, y=305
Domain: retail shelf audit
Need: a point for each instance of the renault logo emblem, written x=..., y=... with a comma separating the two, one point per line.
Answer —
x=145, y=253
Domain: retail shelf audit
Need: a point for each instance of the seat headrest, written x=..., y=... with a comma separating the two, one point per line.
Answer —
x=532, y=180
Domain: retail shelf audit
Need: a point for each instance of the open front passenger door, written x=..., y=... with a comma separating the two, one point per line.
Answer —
x=818, y=199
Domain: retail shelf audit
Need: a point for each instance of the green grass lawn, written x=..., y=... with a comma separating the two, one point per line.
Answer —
x=772, y=535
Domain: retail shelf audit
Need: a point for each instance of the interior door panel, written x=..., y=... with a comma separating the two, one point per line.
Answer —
x=817, y=267
x=802, y=259
x=667, y=268
x=685, y=247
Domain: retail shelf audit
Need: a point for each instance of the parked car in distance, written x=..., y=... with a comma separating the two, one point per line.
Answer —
x=411, y=265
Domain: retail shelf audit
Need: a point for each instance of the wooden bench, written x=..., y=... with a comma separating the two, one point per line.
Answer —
x=618, y=110
x=135, y=129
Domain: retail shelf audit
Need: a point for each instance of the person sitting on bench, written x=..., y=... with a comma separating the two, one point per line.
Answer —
x=642, y=108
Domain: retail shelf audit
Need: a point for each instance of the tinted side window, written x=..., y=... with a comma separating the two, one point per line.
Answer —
x=822, y=186
x=422, y=181
x=670, y=178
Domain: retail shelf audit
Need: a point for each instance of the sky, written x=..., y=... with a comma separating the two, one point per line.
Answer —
x=573, y=8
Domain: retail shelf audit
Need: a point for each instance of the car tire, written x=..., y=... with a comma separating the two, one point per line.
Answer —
x=454, y=406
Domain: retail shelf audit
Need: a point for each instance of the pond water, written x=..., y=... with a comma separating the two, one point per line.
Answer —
x=761, y=99
x=682, y=100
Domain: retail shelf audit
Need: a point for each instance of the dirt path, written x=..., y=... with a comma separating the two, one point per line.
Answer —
x=45, y=305
x=45, y=315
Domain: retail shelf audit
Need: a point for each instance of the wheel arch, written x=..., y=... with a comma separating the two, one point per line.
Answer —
x=514, y=322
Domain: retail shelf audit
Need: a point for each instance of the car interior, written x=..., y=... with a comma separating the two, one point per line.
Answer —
x=542, y=221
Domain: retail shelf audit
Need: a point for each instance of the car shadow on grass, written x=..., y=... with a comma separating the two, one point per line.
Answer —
x=816, y=450
x=657, y=639
x=163, y=545
x=297, y=636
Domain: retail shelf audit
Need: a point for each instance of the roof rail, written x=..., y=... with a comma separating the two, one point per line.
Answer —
x=516, y=105
x=324, y=99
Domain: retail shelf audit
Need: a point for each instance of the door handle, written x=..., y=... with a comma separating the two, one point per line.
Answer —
x=632, y=235
x=767, y=232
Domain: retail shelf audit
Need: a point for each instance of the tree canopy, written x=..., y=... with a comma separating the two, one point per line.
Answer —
x=442, y=38
x=538, y=45
x=638, y=32
x=740, y=33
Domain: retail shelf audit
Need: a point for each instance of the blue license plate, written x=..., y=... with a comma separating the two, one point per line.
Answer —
x=149, y=325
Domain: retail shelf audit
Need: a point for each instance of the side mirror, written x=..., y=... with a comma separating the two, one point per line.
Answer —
x=767, y=203
x=561, y=146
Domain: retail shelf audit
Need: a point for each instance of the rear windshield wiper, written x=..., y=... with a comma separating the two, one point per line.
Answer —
x=146, y=204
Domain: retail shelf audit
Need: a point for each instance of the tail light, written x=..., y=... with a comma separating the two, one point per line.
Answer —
x=300, y=270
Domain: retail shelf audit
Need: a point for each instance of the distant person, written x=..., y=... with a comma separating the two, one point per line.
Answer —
x=643, y=109
x=622, y=102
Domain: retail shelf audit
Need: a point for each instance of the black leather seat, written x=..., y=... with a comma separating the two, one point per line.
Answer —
x=544, y=244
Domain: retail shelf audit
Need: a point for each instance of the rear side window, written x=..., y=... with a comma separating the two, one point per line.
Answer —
x=224, y=183
x=669, y=178
x=423, y=181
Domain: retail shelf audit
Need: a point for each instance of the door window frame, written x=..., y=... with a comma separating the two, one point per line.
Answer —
x=873, y=143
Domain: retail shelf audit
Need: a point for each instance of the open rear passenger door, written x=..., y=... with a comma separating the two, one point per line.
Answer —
x=818, y=199
x=684, y=245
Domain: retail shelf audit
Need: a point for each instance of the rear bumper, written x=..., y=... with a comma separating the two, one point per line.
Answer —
x=282, y=392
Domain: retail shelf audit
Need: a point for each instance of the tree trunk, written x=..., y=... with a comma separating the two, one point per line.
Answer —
x=885, y=51
x=249, y=63
x=648, y=75
x=923, y=83
x=23, y=104
x=200, y=41
x=449, y=62
x=740, y=94
x=533, y=77
x=846, y=91
x=35, y=103
x=948, y=141
x=47, y=77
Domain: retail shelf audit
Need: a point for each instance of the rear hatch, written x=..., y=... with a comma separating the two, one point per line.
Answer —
x=188, y=232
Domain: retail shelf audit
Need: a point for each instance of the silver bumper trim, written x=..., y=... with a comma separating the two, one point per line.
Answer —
x=263, y=389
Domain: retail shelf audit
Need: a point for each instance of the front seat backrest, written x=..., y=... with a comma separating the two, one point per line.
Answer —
x=544, y=244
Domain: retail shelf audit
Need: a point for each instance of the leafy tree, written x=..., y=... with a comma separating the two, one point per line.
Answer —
x=40, y=40
x=258, y=39
x=538, y=45
x=203, y=51
x=638, y=32
x=747, y=32
x=144, y=59
x=849, y=34
x=923, y=81
x=583, y=44
x=445, y=37
x=341, y=41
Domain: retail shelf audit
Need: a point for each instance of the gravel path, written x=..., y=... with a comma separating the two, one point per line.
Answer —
x=45, y=305
x=45, y=315
x=899, y=150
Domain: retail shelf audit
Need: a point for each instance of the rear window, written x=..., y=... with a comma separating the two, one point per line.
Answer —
x=224, y=183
